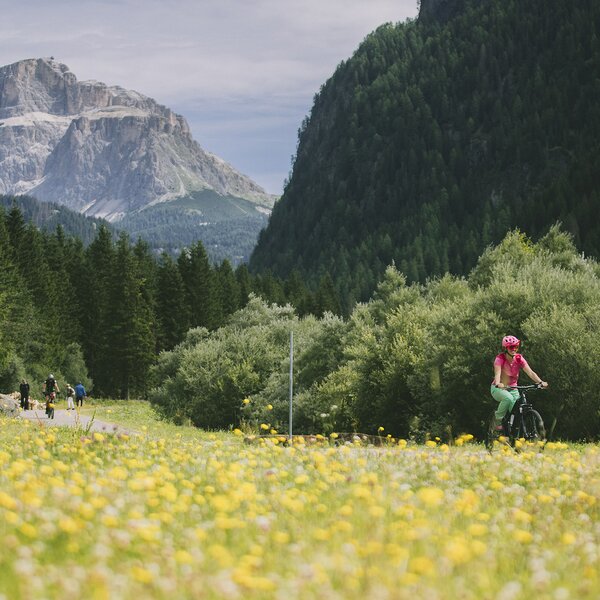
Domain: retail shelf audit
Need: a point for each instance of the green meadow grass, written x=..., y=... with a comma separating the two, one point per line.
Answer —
x=172, y=512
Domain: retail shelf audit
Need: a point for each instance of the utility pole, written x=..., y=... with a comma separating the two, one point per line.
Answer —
x=291, y=379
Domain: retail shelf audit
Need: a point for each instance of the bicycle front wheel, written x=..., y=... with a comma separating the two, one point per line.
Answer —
x=533, y=427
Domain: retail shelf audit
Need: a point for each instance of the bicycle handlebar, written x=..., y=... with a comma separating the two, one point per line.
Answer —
x=533, y=386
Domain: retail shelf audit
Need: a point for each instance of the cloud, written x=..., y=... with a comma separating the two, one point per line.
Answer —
x=231, y=67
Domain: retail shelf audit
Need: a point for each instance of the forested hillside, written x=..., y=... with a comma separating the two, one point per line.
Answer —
x=227, y=226
x=47, y=216
x=438, y=136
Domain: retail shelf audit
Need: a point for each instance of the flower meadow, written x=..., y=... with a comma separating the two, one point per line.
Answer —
x=105, y=516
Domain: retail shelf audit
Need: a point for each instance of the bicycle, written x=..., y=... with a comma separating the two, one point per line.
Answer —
x=50, y=398
x=522, y=422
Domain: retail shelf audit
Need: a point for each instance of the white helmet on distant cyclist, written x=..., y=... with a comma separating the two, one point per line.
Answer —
x=50, y=376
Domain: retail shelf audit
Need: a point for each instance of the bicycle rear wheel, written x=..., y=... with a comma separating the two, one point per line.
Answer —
x=491, y=434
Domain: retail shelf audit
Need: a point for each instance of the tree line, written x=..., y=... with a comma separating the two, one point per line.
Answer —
x=415, y=360
x=102, y=313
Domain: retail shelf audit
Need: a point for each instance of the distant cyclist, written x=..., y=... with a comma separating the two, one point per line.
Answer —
x=50, y=390
x=507, y=366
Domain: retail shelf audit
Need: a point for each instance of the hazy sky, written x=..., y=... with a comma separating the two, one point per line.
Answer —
x=242, y=72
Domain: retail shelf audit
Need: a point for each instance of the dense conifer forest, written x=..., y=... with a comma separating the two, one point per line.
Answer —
x=438, y=136
x=102, y=312
x=48, y=215
x=227, y=226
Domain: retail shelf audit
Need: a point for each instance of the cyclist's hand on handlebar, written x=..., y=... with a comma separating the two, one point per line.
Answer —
x=500, y=385
x=543, y=384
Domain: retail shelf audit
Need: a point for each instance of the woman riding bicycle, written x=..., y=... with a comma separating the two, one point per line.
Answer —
x=506, y=374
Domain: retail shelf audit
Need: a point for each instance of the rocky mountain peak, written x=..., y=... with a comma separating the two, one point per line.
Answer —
x=102, y=150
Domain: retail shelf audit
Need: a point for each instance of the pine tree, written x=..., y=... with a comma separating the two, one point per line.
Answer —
x=326, y=297
x=130, y=326
x=229, y=290
x=96, y=308
x=201, y=293
x=245, y=283
x=172, y=312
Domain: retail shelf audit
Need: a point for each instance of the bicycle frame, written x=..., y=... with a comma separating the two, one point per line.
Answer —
x=522, y=422
x=516, y=420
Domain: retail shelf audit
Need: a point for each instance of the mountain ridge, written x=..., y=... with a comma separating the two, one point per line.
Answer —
x=101, y=150
x=436, y=137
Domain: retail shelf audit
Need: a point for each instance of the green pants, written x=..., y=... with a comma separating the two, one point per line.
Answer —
x=506, y=400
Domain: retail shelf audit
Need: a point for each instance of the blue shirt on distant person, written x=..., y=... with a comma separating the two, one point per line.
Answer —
x=80, y=392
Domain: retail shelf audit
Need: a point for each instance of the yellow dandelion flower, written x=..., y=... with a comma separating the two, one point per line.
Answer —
x=7, y=501
x=431, y=496
x=478, y=547
x=321, y=535
x=421, y=565
x=377, y=511
x=183, y=557
x=11, y=517
x=281, y=537
x=522, y=536
x=118, y=473
x=477, y=529
x=521, y=516
x=28, y=530
x=141, y=575
x=69, y=525
x=221, y=555
x=568, y=538
x=457, y=551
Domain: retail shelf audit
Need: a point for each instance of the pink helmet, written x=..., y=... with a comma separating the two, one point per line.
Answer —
x=510, y=340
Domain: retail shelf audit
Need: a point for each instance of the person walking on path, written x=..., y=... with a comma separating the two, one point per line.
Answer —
x=79, y=394
x=24, y=390
x=70, y=396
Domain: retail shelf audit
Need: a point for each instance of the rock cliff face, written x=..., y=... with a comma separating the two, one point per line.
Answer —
x=100, y=150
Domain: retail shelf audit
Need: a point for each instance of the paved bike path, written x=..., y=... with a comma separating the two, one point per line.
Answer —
x=69, y=418
x=62, y=417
